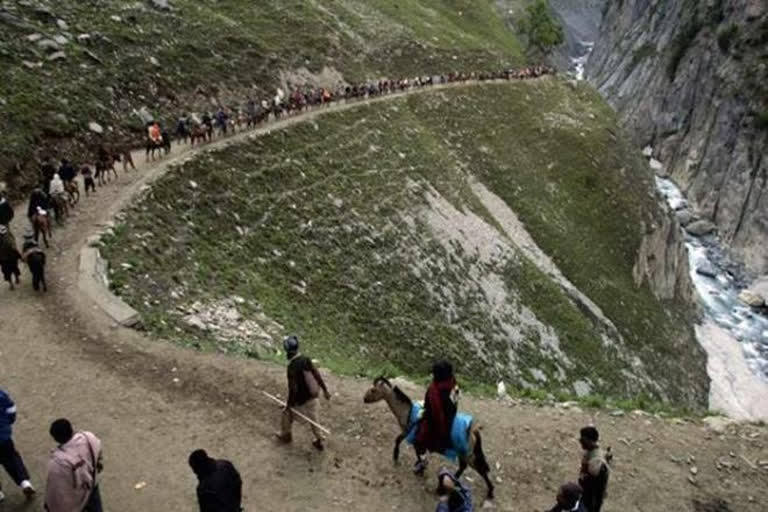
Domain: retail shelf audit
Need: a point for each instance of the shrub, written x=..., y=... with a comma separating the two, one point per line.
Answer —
x=681, y=44
x=641, y=54
x=762, y=120
x=717, y=12
x=726, y=38
x=542, y=29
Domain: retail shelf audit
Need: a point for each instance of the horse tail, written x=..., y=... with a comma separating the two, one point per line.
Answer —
x=481, y=463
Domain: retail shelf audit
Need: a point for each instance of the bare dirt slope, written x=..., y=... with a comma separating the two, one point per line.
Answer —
x=59, y=356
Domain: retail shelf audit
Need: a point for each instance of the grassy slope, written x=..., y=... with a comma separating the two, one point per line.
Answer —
x=550, y=153
x=219, y=49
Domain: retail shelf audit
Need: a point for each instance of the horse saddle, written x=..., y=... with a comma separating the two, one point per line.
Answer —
x=459, y=431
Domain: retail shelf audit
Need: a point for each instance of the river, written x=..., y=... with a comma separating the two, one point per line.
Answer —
x=734, y=336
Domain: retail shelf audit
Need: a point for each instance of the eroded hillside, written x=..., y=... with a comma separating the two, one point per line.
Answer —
x=497, y=225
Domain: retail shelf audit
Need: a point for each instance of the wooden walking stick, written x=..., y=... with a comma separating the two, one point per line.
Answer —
x=297, y=413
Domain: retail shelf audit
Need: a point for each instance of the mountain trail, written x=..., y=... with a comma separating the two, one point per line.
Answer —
x=153, y=403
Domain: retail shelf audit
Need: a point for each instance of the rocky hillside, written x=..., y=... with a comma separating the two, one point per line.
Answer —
x=690, y=79
x=437, y=225
x=71, y=64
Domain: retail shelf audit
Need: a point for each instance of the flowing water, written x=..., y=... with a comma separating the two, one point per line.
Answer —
x=734, y=336
x=579, y=59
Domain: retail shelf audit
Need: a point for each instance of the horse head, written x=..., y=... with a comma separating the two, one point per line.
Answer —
x=380, y=389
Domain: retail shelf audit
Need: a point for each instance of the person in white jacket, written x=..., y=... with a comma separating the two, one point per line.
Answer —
x=57, y=186
x=73, y=470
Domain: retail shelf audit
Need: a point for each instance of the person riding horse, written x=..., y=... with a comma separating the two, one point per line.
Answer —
x=6, y=210
x=58, y=196
x=440, y=407
x=9, y=256
x=182, y=128
x=37, y=200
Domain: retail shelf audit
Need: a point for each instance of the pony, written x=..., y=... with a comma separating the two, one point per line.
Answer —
x=105, y=167
x=123, y=154
x=73, y=192
x=199, y=133
x=153, y=146
x=41, y=224
x=35, y=258
x=60, y=205
x=406, y=414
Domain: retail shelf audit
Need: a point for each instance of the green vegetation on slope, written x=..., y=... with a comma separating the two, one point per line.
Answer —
x=360, y=231
x=120, y=56
x=542, y=29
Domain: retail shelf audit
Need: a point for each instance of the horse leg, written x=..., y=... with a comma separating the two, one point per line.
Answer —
x=480, y=464
x=462, y=467
x=396, y=452
x=421, y=465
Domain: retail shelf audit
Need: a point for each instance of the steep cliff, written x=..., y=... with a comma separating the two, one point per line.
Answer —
x=691, y=79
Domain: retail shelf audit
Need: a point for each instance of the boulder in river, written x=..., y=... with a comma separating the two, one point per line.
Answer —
x=684, y=217
x=706, y=268
x=751, y=298
x=700, y=228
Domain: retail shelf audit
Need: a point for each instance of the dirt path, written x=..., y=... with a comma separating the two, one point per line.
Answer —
x=152, y=403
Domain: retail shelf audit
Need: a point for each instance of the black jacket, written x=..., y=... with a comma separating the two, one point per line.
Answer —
x=6, y=211
x=37, y=199
x=67, y=172
x=221, y=489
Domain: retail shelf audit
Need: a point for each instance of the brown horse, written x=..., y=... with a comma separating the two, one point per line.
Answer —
x=60, y=207
x=199, y=133
x=401, y=407
x=123, y=154
x=41, y=223
x=73, y=192
x=104, y=168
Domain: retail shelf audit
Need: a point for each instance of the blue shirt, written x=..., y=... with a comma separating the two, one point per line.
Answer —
x=7, y=416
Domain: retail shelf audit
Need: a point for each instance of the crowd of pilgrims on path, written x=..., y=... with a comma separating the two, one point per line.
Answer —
x=75, y=464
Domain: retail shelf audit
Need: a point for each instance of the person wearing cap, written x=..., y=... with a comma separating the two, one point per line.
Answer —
x=594, y=472
x=569, y=499
x=454, y=495
x=219, y=487
x=304, y=385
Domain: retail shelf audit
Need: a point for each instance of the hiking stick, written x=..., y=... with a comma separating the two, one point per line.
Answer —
x=297, y=413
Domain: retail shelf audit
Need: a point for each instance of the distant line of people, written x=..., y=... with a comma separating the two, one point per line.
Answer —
x=201, y=128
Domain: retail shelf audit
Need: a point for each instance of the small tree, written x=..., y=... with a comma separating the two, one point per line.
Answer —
x=542, y=29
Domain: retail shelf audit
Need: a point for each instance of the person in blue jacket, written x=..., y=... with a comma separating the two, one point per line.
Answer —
x=454, y=495
x=9, y=457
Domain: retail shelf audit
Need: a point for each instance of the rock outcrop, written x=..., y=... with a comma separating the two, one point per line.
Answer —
x=690, y=79
x=663, y=261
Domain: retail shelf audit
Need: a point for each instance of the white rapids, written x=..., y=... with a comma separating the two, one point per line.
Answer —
x=579, y=61
x=734, y=337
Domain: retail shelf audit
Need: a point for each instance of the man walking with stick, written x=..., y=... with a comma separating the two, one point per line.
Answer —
x=304, y=385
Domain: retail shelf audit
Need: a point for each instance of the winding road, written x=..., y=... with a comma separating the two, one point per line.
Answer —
x=152, y=403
